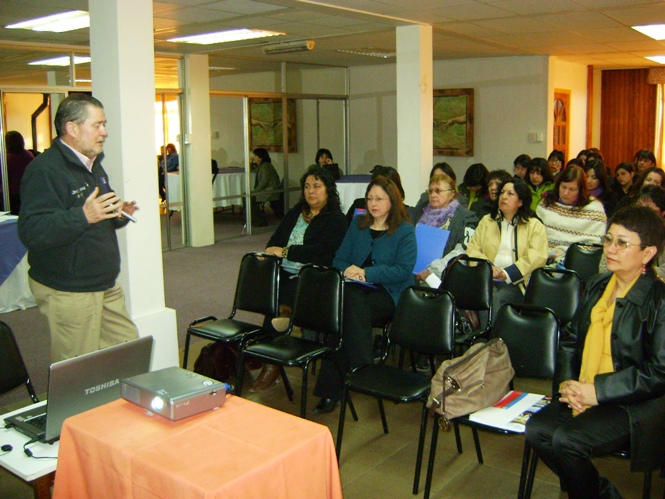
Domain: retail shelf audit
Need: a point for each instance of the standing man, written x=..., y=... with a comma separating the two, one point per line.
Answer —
x=68, y=220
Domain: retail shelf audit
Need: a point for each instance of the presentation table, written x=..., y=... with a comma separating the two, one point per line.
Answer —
x=240, y=450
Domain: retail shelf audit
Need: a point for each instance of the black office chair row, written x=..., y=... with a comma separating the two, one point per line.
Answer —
x=318, y=306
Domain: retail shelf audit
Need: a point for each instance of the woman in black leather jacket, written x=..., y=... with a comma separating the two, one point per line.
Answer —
x=613, y=364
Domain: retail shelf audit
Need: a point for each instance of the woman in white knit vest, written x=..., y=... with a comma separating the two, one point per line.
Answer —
x=570, y=214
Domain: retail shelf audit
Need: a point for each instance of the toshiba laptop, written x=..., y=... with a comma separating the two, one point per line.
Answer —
x=78, y=384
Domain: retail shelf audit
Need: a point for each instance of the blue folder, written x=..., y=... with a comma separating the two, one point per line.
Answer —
x=431, y=243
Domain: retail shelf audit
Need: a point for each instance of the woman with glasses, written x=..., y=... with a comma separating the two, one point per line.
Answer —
x=446, y=212
x=570, y=214
x=555, y=161
x=377, y=254
x=612, y=365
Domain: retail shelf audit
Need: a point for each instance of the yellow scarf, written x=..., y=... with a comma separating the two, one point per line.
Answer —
x=597, y=353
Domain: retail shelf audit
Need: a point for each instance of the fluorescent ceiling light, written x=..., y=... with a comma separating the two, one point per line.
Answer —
x=60, y=61
x=370, y=52
x=233, y=35
x=660, y=59
x=58, y=23
x=655, y=31
x=220, y=68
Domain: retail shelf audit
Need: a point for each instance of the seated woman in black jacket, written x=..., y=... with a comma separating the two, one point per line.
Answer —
x=613, y=364
x=310, y=232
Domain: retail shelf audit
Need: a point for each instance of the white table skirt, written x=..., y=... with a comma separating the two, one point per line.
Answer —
x=15, y=292
x=226, y=184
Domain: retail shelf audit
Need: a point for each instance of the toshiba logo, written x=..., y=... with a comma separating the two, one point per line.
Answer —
x=102, y=386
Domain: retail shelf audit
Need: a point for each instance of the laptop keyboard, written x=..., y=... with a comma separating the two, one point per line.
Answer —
x=38, y=421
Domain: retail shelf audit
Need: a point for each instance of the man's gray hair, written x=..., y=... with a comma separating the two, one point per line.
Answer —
x=73, y=108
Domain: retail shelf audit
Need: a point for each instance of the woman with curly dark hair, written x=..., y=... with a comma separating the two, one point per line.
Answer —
x=310, y=232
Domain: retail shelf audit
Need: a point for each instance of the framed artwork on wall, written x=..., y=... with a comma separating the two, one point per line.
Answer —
x=453, y=122
x=265, y=124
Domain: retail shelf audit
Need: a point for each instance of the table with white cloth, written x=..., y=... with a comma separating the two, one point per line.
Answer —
x=350, y=188
x=39, y=473
x=15, y=291
x=229, y=182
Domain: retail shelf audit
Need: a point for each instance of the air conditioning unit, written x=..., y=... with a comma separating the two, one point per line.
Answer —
x=288, y=47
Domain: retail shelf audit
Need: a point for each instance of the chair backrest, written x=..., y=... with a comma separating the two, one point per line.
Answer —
x=469, y=280
x=557, y=289
x=319, y=300
x=532, y=336
x=13, y=373
x=424, y=321
x=583, y=258
x=257, y=288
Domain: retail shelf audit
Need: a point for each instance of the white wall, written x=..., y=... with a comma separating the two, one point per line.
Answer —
x=511, y=95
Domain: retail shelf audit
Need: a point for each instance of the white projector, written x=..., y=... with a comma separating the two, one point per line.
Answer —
x=174, y=393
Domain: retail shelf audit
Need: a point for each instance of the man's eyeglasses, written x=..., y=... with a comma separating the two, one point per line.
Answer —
x=619, y=243
x=438, y=191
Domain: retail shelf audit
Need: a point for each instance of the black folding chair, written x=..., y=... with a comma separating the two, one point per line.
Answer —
x=583, y=258
x=532, y=336
x=13, y=373
x=318, y=306
x=424, y=322
x=469, y=280
x=556, y=289
x=257, y=290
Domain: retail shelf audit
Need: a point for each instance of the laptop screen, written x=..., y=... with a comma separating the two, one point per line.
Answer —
x=90, y=380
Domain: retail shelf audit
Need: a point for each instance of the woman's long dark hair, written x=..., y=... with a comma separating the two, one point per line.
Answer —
x=397, y=213
x=263, y=154
x=637, y=184
x=320, y=173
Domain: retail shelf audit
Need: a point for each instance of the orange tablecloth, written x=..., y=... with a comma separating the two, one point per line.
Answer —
x=241, y=450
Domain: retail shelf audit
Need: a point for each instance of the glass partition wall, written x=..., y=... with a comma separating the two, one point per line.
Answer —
x=242, y=123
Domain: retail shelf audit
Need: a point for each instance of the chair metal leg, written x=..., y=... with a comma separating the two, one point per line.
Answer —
x=532, y=475
x=476, y=441
x=303, y=396
x=340, y=428
x=646, y=489
x=458, y=438
x=352, y=407
x=382, y=411
x=421, y=446
x=186, y=355
x=287, y=383
x=526, y=457
x=432, y=455
x=240, y=373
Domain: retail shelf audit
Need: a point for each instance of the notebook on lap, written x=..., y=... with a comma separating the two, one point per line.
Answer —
x=78, y=384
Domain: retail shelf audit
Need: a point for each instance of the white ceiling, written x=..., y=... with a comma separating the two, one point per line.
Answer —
x=595, y=32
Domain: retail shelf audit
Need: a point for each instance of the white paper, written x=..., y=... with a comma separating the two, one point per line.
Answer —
x=433, y=281
x=512, y=417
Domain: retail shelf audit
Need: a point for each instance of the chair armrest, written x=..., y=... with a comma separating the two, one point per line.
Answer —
x=202, y=319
